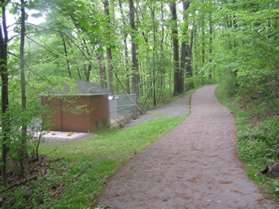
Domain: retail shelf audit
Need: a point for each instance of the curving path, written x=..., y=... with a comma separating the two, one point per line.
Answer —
x=192, y=167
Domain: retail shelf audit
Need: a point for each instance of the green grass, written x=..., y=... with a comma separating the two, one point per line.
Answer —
x=86, y=166
x=256, y=141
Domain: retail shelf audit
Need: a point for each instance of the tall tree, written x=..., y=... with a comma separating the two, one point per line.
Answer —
x=178, y=81
x=194, y=43
x=23, y=147
x=126, y=51
x=203, y=34
x=5, y=87
x=210, y=39
x=102, y=67
x=185, y=60
x=154, y=53
x=135, y=65
x=68, y=66
x=109, y=48
x=162, y=47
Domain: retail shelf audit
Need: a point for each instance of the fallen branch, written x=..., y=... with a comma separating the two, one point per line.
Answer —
x=19, y=183
x=272, y=170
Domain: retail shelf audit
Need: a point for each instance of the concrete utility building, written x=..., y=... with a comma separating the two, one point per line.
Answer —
x=81, y=108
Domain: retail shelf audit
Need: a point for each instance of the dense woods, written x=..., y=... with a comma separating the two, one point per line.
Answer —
x=154, y=49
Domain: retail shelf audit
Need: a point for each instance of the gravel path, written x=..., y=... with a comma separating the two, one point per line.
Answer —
x=192, y=167
x=175, y=108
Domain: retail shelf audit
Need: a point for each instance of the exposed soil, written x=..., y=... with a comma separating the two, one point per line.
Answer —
x=175, y=108
x=32, y=169
x=192, y=167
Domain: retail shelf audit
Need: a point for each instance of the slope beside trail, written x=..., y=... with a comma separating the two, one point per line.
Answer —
x=178, y=107
x=192, y=167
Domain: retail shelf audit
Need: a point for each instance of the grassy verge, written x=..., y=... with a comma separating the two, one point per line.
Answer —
x=256, y=141
x=79, y=176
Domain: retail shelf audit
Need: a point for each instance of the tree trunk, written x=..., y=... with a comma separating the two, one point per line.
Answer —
x=23, y=148
x=66, y=56
x=135, y=66
x=185, y=57
x=87, y=71
x=210, y=44
x=194, y=45
x=79, y=73
x=154, y=55
x=126, y=52
x=5, y=90
x=178, y=85
x=162, y=55
x=203, y=39
x=102, y=68
x=87, y=67
x=109, y=49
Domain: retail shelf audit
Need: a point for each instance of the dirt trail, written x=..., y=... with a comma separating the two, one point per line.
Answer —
x=192, y=167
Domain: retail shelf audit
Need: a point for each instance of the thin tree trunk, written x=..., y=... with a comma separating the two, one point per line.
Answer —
x=203, y=38
x=190, y=54
x=185, y=48
x=126, y=51
x=210, y=43
x=23, y=148
x=135, y=66
x=109, y=49
x=5, y=90
x=102, y=68
x=110, y=69
x=66, y=56
x=154, y=65
x=79, y=73
x=194, y=45
x=178, y=85
x=162, y=55
x=87, y=67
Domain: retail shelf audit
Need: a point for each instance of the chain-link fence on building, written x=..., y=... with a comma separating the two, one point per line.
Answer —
x=122, y=106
